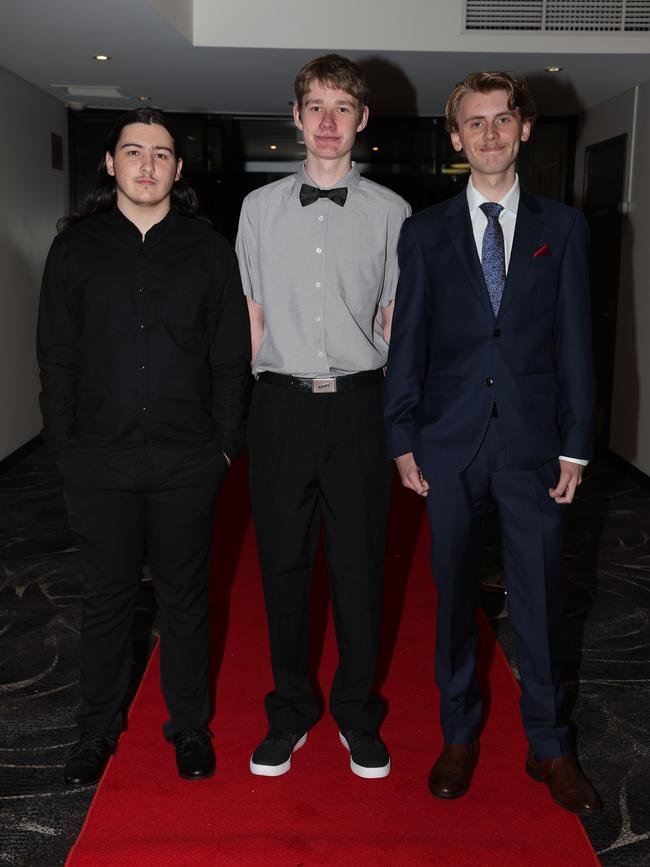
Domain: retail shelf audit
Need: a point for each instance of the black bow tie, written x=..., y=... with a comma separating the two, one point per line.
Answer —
x=309, y=195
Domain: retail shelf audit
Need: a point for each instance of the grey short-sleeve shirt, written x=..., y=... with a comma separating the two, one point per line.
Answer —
x=321, y=272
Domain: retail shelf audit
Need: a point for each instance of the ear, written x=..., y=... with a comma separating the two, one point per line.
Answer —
x=296, y=115
x=455, y=141
x=179, y=168
x=365, y=114
x=110, y=168
x=526, y=130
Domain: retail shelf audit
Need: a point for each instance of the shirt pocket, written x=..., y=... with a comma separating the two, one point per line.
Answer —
x=360, y=279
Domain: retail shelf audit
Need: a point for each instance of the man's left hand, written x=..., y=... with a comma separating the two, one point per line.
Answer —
x=570, y=478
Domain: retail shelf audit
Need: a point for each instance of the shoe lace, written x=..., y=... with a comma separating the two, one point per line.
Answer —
x=92, y=742
x=192, y=736
x=357, y=736
x=280, y=738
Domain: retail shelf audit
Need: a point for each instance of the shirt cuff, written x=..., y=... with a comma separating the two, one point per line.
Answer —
x=580, y=461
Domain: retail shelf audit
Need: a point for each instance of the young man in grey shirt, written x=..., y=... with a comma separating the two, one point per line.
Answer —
x=317, y=253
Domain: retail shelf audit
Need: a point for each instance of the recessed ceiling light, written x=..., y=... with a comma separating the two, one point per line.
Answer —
x=374, y=148
x=102, y=57
x=273, y=147
x=553, y=69
x=144, y=98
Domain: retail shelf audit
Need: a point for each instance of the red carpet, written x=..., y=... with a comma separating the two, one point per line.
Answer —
x=320, y=813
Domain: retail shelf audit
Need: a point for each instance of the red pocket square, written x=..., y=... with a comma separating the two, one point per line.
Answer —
x=544, y=250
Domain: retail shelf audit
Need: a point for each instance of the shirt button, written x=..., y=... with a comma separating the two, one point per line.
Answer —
x=496, y=332
x=318, y=285
x=489, y=381
x=320, y=354
x=317, y=319
x=318, y=250
x=321, y=218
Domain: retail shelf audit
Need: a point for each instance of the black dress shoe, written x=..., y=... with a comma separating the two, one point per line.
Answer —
x=88, y=759
x=195, y=757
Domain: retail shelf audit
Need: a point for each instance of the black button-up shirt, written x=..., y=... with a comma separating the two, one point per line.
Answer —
x=142, y=342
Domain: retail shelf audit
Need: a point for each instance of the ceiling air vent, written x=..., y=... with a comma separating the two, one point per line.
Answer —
x=567, y=16
x=92, y=91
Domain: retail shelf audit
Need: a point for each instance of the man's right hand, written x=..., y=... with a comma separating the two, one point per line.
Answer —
x=411, y=475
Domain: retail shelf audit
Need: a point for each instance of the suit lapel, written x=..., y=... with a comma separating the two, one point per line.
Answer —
x=461, y=235
x=527, y=238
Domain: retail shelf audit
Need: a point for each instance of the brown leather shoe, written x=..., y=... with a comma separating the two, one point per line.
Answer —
x=567, y=784
x=452, y=773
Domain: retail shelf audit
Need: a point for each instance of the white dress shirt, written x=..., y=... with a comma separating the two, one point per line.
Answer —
x=508, y=221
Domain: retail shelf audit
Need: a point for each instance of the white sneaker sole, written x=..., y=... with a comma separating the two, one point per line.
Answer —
x=276, y=770
x=362, y=770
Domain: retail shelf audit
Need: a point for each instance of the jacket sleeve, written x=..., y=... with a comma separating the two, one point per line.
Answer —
x=229, y=352
x=56, y=349
x=408, y=350
x=572, y=337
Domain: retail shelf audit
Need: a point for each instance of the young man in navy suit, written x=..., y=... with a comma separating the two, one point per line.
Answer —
x=490, y=393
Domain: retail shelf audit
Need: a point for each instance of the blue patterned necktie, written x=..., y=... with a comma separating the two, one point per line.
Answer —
x=493, y=257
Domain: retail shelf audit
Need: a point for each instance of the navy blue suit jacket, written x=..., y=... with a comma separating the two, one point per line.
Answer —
x=451, y=359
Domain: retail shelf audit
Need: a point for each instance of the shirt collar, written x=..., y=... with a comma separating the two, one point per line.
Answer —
x=510, y=201
x=128, y=229
x=351, y=180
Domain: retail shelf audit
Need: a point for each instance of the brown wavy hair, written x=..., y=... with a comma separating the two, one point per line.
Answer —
x=332, y=70
x=516, y=86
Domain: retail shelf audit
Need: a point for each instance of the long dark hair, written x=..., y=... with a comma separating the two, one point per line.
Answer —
x=103, y=196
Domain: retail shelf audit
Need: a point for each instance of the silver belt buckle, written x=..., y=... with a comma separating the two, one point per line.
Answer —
x=323, y=385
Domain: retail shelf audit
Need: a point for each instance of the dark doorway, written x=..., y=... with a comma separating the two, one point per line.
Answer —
x=602, y=204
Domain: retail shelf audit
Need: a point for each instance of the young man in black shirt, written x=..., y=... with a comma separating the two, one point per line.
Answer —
x=143, y=344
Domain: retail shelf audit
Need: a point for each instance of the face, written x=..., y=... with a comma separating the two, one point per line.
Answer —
x=489, y=132
x=329, y=120
x=144, y=165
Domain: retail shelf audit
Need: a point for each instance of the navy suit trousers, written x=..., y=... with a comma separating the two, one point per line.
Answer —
x=532, y=529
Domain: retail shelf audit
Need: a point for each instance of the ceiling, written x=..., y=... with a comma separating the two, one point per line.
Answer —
x=52, y=45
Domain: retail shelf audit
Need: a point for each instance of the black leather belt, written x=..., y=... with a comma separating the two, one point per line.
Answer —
x=324, y=384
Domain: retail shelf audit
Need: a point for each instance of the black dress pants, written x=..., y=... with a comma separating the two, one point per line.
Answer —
x=319, y=456
x=124, y=505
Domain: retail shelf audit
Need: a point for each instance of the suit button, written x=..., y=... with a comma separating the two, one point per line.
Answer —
x=489, y=381
x=496, y=332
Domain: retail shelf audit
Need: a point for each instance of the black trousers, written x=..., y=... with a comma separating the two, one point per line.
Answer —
x=124, y=505
x=533, y=530
x=319, y=456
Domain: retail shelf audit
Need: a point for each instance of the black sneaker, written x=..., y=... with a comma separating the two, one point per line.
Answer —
x=88, y=759
x=273, y=756
x=195, y=759
x=369, y=757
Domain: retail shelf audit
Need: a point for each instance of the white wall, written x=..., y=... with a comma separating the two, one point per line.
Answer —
x=630, y=424
x=32, y=198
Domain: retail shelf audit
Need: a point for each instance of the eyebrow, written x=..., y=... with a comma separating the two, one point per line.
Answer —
x=317, y=101
x=509, y=113
x=133, y=144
